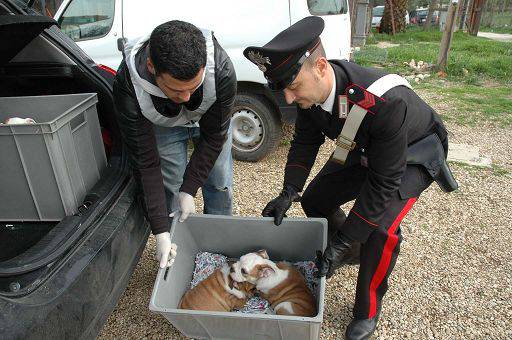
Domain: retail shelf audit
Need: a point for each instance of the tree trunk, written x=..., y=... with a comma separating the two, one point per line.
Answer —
x=431, y=9
x=475, y=16
x=393, y=19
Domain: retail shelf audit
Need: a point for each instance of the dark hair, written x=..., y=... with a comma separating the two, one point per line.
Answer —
x=317, y=53
x=177, y=48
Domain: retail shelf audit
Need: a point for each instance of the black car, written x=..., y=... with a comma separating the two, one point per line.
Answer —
x=419, y=17
x=62, y=279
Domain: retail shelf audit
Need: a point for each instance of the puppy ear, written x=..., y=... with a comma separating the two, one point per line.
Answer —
x=265, y=271
x=263, y=253
x=251, y=290
x=231, y=283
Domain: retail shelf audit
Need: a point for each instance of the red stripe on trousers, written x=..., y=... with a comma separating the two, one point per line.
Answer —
x=385, y=258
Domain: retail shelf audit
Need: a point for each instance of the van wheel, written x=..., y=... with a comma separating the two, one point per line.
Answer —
x=256, y=127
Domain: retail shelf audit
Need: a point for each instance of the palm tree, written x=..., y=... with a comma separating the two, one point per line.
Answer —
x=393, y=20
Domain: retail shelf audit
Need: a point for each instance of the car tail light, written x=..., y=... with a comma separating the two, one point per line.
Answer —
x=107, y=69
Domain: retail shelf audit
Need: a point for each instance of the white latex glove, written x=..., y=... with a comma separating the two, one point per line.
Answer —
x=187, y=205
x=165, y=250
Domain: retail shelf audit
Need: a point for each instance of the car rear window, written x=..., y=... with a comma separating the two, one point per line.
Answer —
x=378, y=11
x=327, y=7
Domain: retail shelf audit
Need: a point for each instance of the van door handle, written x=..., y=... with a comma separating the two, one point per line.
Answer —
x=120, y=44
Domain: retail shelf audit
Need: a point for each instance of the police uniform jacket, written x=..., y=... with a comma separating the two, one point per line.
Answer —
x=397, y=120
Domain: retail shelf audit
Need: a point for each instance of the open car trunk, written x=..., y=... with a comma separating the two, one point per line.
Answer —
x=40, y=60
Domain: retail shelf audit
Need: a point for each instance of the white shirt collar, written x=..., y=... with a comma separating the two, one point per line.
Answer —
x=329, y=102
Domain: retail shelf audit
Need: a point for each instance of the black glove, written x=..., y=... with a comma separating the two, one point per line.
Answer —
x=337, y=253
x=279, y=205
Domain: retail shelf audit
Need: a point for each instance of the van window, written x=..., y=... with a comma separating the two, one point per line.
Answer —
x=87, y=19
x=327, y=7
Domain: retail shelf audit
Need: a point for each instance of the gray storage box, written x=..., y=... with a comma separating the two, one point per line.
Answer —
x=294, y=240
x=47, y=168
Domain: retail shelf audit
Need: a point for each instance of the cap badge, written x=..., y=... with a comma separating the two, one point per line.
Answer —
x=259, y=60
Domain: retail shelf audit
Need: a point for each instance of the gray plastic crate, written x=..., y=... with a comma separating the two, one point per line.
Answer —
x=294, y=240
x=47, y=168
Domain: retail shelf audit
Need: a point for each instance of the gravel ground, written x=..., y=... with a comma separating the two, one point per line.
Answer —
x=452, y=280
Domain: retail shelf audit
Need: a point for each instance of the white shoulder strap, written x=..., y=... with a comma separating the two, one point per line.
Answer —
x=386, y=83
x=345, y=141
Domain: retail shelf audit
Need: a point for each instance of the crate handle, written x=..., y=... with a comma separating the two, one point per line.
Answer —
x=76, y=122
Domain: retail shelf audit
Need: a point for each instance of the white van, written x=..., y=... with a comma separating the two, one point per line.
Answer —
x=100, y=27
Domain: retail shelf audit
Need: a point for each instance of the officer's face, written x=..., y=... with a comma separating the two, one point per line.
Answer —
x=305, y=90
x=179, y=91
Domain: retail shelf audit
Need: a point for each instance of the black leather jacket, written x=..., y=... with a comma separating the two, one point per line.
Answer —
x=138, y=135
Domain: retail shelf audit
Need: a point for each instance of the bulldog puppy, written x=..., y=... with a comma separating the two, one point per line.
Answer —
x=218, y=292
x=17, y=120
x=281, y=284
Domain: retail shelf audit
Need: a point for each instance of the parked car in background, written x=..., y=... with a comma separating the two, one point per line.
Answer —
x=60, y=279
x=100, y=28
x=378, y=12
x=419, y=16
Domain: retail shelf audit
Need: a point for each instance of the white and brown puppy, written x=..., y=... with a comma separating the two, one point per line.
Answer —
x=18, y=120
x=281, y=284
x=218, y=292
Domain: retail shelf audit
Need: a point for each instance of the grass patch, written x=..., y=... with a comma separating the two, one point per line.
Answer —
x=499, y=170
x=495, y=170
x=472, y=104
x=471, y=58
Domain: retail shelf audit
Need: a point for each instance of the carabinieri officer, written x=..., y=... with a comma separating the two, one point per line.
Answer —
x=390, y=146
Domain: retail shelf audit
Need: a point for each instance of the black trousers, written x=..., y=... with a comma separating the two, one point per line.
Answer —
x=323, y=198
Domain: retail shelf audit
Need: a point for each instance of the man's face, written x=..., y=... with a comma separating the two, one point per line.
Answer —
x=306, y=89
x=179, y=91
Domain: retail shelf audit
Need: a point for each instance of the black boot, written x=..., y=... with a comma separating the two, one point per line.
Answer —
x=335, y=222
x=361, y=329
x=355, y=256
x=335, y=255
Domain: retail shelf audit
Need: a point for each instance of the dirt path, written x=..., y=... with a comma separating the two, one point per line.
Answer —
x=496, y=36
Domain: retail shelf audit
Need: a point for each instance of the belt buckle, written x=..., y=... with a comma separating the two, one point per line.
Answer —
x=345, y=143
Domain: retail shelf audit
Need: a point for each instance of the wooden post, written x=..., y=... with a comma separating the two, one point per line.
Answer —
x=447, y=37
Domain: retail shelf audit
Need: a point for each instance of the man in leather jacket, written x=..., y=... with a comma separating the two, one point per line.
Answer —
x=172, y=86
x=375, y=172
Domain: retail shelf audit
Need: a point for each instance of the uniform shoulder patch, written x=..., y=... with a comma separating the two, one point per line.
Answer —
x=360, y=96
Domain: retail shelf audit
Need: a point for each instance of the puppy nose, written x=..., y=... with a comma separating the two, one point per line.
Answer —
x=231, y=269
